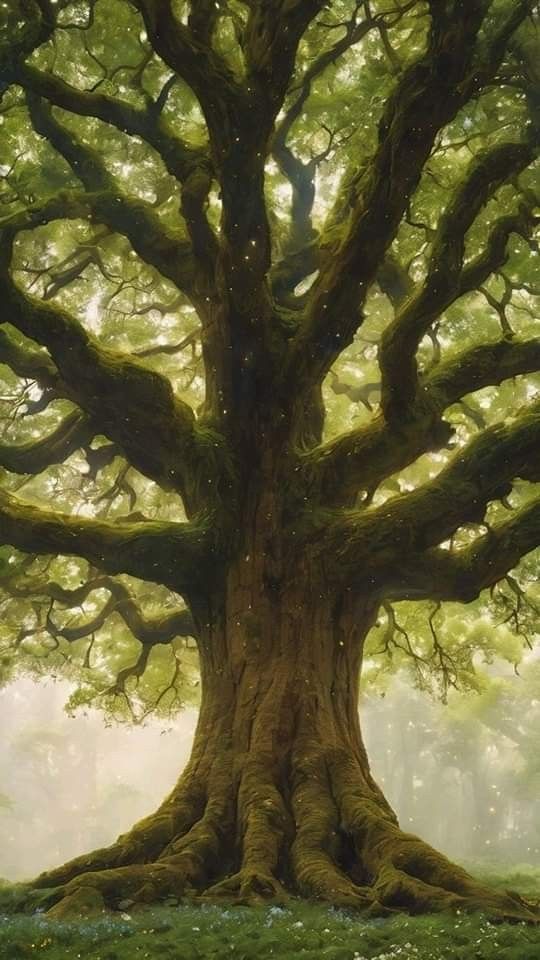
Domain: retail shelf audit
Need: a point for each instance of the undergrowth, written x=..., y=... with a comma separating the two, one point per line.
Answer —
x=302, y=931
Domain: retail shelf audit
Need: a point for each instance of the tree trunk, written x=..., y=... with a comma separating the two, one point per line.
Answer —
x=277, y=797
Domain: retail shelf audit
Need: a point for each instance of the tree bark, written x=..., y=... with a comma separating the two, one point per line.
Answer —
x=277, y=798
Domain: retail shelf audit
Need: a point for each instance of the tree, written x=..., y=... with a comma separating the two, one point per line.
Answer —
x=292, y=183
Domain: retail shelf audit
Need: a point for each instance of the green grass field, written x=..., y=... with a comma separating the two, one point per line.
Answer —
x=302, y=930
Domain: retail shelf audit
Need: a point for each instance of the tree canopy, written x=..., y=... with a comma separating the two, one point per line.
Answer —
x=371, y=231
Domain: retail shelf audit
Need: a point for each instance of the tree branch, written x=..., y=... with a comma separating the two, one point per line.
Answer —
x=446, y=278
x=479, y=473
x=363, y=458
x=240, y=122
x=301, y=175
x=461, y=575
x=179, y=555
x=189, y=54
x=36, y=455
x=190, y=165
x=30, y=363
x=155, y=630
x=180, y=159
x=428, y=96
x=156, y=430
x=168, y=252
x=479, y=367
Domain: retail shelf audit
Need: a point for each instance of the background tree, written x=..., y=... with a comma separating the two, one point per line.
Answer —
x=477, y=749
x=220, y=219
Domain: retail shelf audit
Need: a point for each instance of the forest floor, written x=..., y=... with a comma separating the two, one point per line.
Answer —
x=302, y=931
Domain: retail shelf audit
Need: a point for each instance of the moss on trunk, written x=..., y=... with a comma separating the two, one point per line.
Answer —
x=277, y=798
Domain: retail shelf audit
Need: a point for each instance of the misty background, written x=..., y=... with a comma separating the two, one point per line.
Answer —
x=465, y=775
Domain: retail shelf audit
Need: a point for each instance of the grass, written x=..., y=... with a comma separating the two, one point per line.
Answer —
x=303, y=931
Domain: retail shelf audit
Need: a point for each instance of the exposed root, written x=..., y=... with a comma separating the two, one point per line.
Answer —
x=266, y=825
x=201, y=843
x=83, y=902
x=247, y=840
x=142, y=844
x=408, y=874
x=397, y=890
x=144, y=883
x=315, y=850
x=147, y=837
x=248, y=887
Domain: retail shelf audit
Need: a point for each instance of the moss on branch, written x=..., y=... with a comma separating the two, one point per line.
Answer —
x=428, y=96
x=447, y=278
x=179, y=555
x=461, y=575
x=156, y=430
x=479, y=367
x=409, y=523
x=361, y=459
x=36, y=455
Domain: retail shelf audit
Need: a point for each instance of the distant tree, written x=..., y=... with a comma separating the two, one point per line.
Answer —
x=5, y=803
x=478, y=748
x=268, y=272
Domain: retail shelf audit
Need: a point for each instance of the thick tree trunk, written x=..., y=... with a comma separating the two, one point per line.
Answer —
x=277, y=798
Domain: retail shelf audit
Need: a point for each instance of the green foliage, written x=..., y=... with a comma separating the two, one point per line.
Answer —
x=6, y=805
x=98, y=275
x=479, y=750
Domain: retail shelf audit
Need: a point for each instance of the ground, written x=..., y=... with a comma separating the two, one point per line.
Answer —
x=302, y=930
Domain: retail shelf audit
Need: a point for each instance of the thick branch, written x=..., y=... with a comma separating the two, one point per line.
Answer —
x=240, y=122
x=189, y=54
x=29, y=363
x=178, y=555
x=301, y=175
x=363, y=458
x=480, y=472
x=271, y=40
x=188, y=164
x=36, y=455
x=479, y=367
x=461, y=575
x=447, y=279
x=179, y=158
x=168, y=252
x=303, y=254
x=428, y=96
x=154, y=428
x=238, y=133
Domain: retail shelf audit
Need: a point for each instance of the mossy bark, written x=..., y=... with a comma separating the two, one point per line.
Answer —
x=277, y=798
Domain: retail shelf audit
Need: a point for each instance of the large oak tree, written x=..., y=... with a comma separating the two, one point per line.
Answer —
x=270, y=266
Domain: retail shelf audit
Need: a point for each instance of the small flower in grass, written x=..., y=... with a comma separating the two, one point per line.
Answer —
x=276, y=911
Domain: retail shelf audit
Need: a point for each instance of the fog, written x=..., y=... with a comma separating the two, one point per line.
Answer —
x=69, y=784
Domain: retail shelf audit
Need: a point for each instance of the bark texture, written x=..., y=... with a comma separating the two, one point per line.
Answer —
x=285, y=555
x=277, y=798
